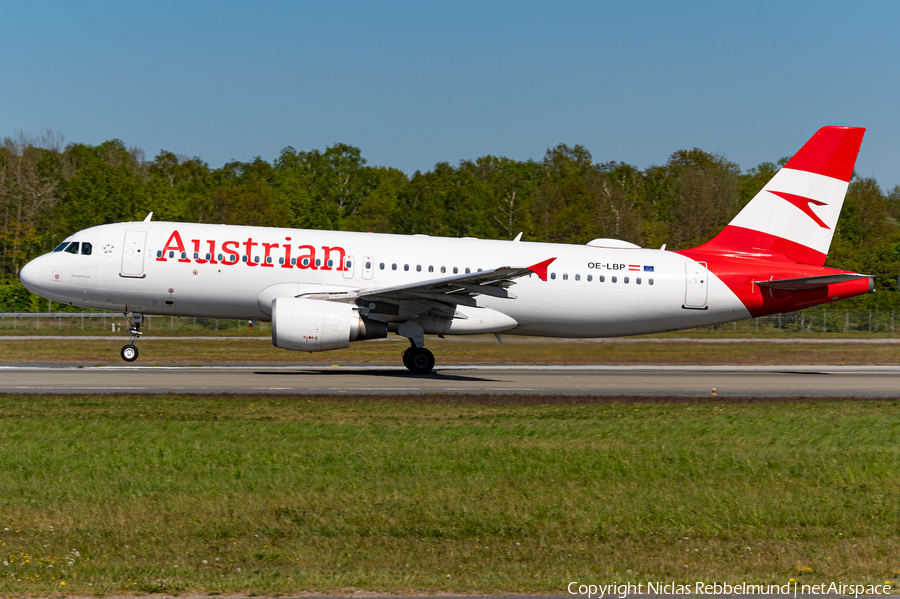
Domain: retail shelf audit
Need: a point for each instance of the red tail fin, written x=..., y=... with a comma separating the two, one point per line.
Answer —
x=795, y=214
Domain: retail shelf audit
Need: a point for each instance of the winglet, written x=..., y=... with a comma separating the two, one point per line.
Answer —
x=540, y=269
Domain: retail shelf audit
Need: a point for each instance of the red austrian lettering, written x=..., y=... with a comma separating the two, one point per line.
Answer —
x=327, y=260
x=174, y=244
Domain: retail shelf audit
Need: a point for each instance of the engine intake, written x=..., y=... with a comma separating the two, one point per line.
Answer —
x=316, y=325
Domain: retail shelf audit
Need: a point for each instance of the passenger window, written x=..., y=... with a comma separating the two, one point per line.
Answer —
x=443, y=269
x=381, y=266
x=318, y=262
x=209, y=256
x=418, y=268
x=430, y=269
x=553, y=275
x=565, y=276
x=171, y=254
x=406, y=267
x=244, y=258
x=649, y=281
x=455, y=270
x=468, y=270
x=73, y=248
x=577, y=277
x=368, y=265
x=638, y=280
x=479, y=270
x=330, y=263
x=256, y=259
x=220, y=257
x=158, y=253
x=269, y=259
x=626, y=280
x=614, y=279
x=590, y=278
x=602, y=278
x=184, y=255
x=348, y=265
x=394, y=266
x=293, y=261
x=232, y=257
x=281, y=261
x=61, y=246
x=86, y=249
x=196, y=256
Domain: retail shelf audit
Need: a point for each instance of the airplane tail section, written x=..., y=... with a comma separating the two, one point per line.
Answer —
x=795, y=214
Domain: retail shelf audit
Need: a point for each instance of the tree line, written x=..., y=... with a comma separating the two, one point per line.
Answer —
x=49, y=190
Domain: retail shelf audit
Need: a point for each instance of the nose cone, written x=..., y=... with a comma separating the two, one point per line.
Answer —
x=31, y=276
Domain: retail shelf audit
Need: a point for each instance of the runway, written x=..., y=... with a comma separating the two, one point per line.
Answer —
x=650, y=381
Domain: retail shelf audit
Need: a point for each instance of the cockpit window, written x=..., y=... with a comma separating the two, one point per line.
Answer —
x=86, y=248
x=73, y=248
x=62, y=246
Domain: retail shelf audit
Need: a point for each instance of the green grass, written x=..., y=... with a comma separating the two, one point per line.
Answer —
x=451, y=351
x=274, y=495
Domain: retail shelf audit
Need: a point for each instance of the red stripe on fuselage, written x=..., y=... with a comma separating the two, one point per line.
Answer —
x=746, y=243
x=740, y=274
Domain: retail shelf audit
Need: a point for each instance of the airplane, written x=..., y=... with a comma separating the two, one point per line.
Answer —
x=323, y=289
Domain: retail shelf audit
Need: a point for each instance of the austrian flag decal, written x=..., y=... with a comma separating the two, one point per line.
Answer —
x=634, y=267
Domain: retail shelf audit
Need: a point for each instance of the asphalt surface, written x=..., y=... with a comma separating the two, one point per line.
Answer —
x=650, y=381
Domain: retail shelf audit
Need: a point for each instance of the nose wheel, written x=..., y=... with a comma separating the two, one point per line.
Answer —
x=130, y=353
x=418, y=360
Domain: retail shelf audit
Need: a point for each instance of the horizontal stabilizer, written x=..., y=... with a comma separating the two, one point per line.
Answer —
x=811, y=282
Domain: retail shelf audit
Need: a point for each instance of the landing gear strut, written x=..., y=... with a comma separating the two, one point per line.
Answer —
x=130, y=351
x=416, y=358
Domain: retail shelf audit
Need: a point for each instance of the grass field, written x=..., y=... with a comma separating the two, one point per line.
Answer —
x=274, y=495
x=453, y=351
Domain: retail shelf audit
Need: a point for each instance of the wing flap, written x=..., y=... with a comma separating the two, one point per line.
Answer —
x=493, y=282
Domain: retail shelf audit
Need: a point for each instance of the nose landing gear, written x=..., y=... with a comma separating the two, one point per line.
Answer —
x=130, y=351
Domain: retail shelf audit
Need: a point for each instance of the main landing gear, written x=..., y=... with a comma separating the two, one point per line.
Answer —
x=130, y=351
x=416, y=358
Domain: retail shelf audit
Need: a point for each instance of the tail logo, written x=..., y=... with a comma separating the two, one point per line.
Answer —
x=803, y=204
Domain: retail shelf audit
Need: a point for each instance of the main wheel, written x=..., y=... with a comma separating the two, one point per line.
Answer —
x=130, y=353
x=419, y=360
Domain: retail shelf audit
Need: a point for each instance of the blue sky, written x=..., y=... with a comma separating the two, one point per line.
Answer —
x=415, y=83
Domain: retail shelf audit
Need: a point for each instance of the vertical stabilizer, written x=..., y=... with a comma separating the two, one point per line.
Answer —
x=795, y=214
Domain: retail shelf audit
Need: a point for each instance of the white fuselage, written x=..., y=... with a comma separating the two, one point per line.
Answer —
x=590, y=291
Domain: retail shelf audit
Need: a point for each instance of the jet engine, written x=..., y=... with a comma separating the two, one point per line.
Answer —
x=316, y=325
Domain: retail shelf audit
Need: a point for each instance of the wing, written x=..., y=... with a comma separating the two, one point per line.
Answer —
x=439, y=296
x=810, y=282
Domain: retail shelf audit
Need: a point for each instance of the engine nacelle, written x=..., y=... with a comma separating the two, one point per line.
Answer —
x=316, y=325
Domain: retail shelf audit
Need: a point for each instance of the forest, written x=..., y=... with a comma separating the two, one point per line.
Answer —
x=49, y=189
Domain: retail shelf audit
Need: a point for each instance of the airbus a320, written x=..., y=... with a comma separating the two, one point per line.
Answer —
x=323, y=289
